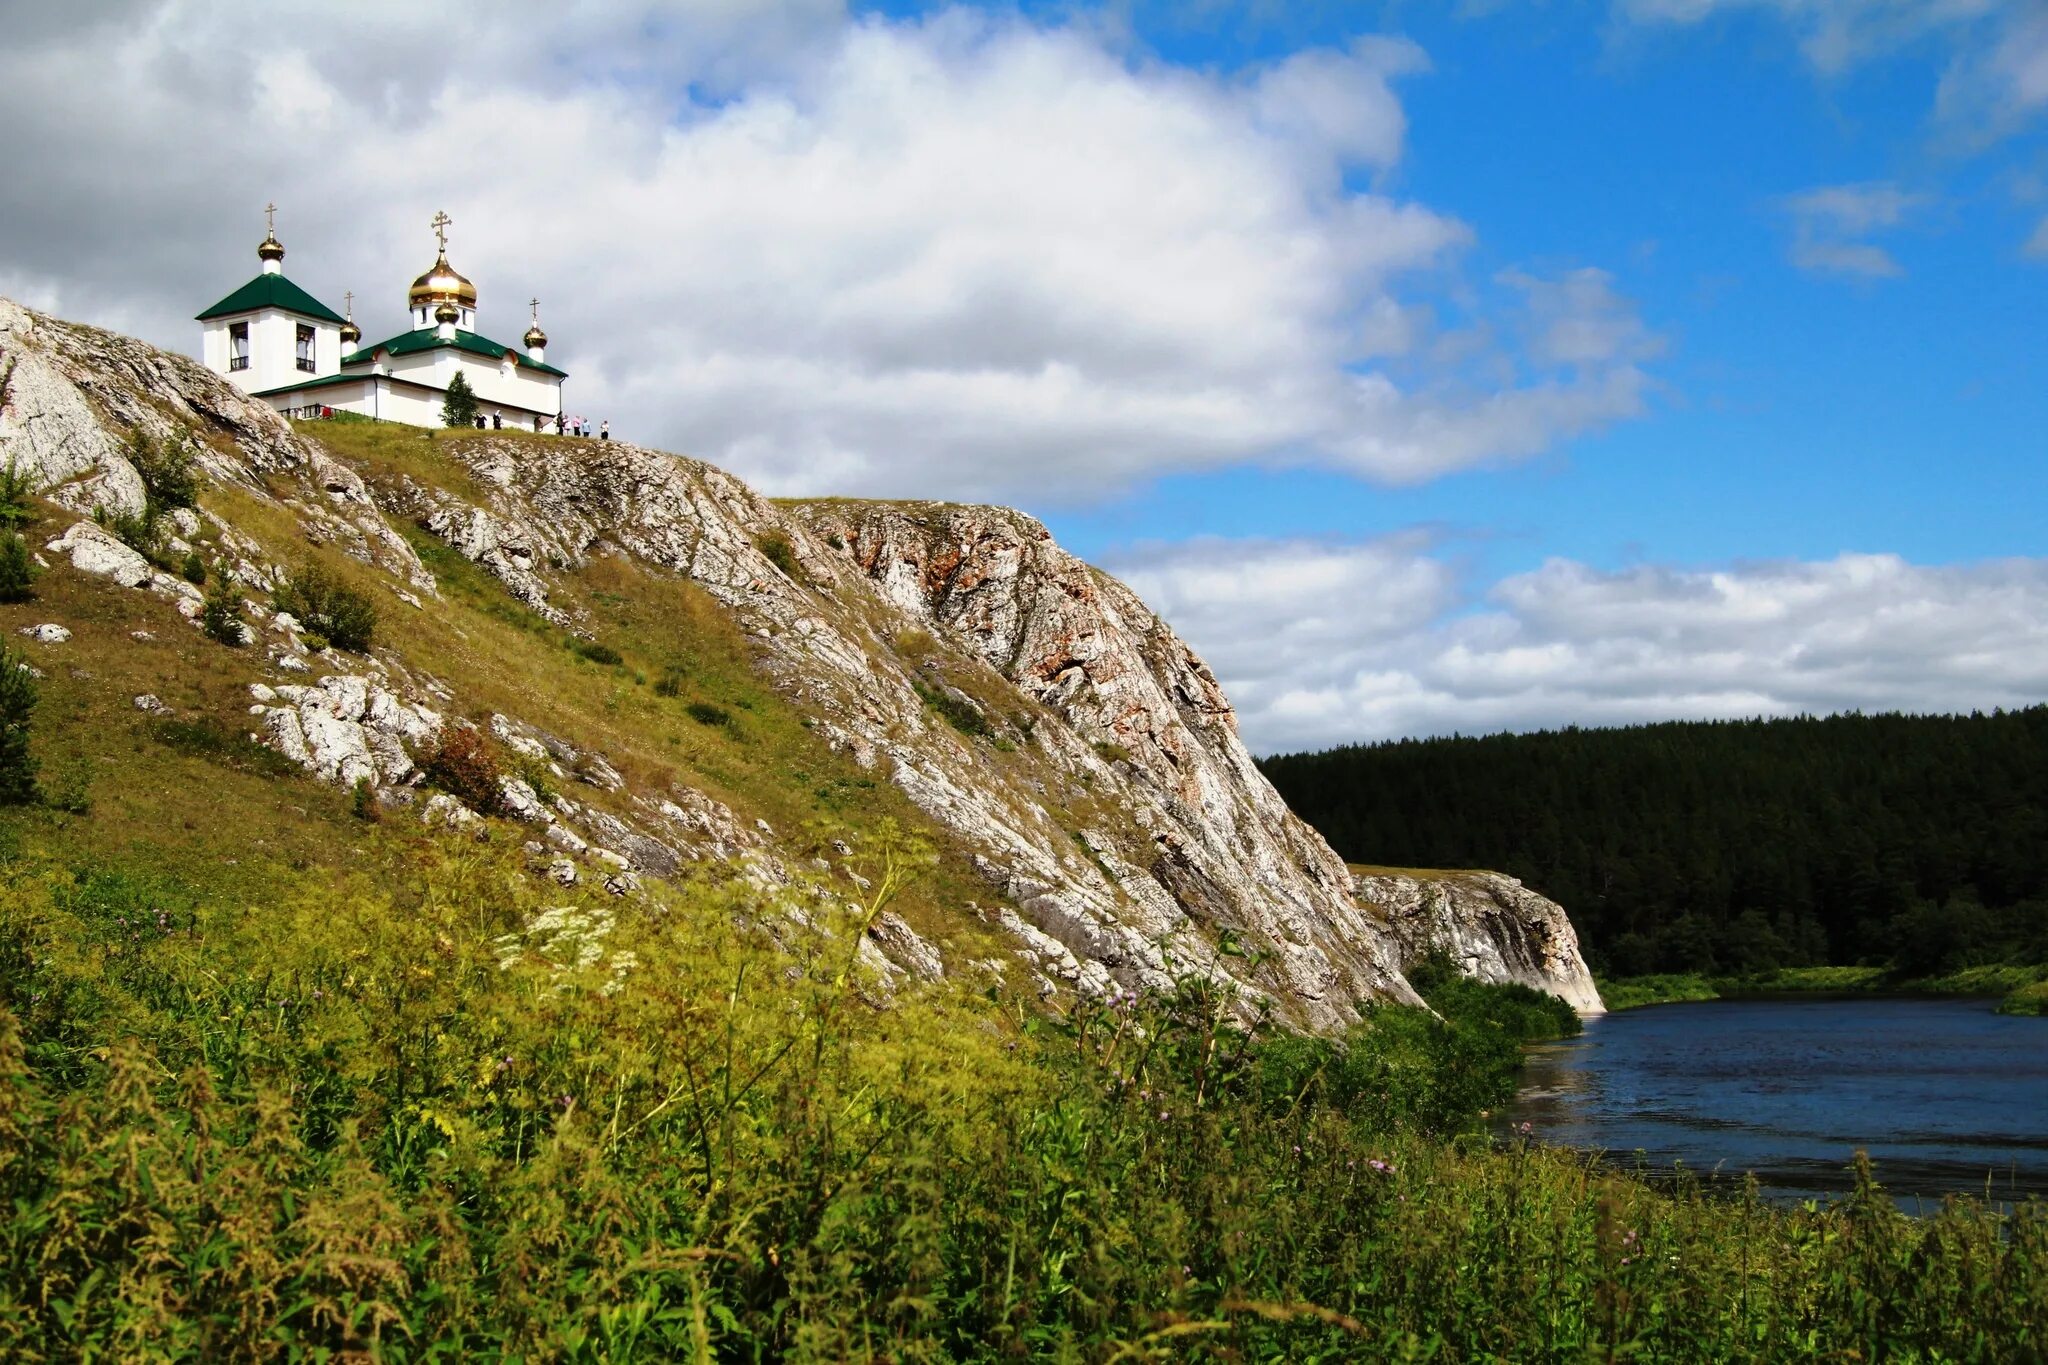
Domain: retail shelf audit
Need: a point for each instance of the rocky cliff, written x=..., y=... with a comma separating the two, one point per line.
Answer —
x=1053, y=732
x=1490, y=927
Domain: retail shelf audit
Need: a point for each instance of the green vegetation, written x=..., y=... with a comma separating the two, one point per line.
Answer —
x=458, y=409
x=18, y=697
x=2001, y=979
x=472, y=1120
x=464, y=766
x=220, y=614
x=955, y=708
x=17, y=491
x=328, y=607
x=776, y=546
x=2028, y=1000
x=17, y=569
x=1914, y=843
x=597, y=652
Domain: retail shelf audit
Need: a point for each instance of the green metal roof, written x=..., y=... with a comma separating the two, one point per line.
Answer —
x=411, y=343
x=320, y=383
x=272, y=291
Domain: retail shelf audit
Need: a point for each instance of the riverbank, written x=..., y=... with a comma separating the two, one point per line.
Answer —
x=2024, y=989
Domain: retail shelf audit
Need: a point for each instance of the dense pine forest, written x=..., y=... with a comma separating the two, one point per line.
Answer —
x=1920, y=842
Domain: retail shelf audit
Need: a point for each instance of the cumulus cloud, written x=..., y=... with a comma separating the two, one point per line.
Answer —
x=1830, y=225
x=969, y=255
x=1377, y=640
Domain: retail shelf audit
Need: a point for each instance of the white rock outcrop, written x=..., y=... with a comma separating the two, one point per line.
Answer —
x=93, y=550
x=1490, y=926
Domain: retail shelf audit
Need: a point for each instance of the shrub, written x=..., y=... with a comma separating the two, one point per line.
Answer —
x=464, y=766
x=141, y=531
x=670, y=683
x=194, y=568
x=326, y=606
x=459, y=408
x=775, y=545
x=314, y=642
x=17, y=712
x=362, y=801
x=958, y=712
x=17, y=570
x=1111, y=752
x=220, y=616
x=708, y=713
x=17, y=486
x=597, y=652
x=169, y=470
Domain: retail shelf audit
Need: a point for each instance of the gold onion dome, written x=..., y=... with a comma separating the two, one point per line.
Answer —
x=270, y=249
x=350, y=333
x=535, y=337
x=442, y=284
x=447, y=312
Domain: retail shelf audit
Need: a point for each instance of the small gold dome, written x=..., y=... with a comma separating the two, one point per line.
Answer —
x=441, y=284
x=350, y=334
x=535, y=337
x=270, y=249
x=447, y=312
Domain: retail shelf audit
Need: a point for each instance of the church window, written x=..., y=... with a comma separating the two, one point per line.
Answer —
x=305, y=348
x=238, y=346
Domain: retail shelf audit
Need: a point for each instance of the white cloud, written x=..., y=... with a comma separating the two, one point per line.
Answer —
x=1324, y=643
x=1829, y=224
x=1833, y=34
x=2037, y=243
x=965, y=256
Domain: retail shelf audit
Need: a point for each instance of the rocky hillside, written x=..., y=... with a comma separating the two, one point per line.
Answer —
x=676, y=677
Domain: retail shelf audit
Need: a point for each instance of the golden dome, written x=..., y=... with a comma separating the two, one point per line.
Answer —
x=442, y=284
x=447, y=312
x=350, y=333
x=270, y=249
x=535, y=337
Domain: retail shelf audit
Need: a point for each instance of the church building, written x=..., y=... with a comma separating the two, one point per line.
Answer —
x=275, y=341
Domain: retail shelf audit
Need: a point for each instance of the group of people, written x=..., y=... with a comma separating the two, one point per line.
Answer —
x=566, y=425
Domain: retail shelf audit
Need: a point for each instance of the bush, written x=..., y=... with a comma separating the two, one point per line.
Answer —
x=314, y=642
x=17, y=712
x=464, y=766
x=775, y=545
x=708, y=713
x=958, y=712
x=17, y=486
x=326, y=606
x=362, y=801
x=169, y=470
x=220, y=616
x=670, y=683
x=597, y=652
x=1110, y=752
x=17, y=569
x=193, y=569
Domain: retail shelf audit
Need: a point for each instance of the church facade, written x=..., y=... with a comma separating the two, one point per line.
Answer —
x=275, y=341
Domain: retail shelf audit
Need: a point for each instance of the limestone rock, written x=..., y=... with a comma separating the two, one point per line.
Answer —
x=95, y=551
x=49, y=633
x=1490, y=926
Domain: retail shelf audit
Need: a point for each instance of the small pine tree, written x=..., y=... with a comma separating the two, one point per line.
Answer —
x=221, y=615
x=17, y=486
x=17, y=709
x=459, y=410
x=17, y=570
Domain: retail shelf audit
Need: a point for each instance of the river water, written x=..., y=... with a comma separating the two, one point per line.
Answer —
x=1944, y=1094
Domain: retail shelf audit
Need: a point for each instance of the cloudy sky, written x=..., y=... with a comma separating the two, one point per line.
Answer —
x=1442, y=365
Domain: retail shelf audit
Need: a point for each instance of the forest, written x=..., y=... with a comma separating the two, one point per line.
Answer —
x=1914, y=842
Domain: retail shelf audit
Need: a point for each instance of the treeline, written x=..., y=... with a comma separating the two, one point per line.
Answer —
x=1726, y=846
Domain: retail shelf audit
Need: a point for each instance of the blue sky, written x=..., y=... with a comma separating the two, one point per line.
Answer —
x=1446, y=366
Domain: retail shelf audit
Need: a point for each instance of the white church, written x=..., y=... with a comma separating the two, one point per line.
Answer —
x=276, y=342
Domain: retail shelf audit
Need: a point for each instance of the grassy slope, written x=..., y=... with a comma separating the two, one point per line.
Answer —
x=2018, y=984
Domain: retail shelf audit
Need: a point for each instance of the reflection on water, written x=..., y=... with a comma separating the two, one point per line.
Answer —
x=1946, y=1096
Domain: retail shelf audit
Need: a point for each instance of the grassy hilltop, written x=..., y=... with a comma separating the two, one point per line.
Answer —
x=289, y=1074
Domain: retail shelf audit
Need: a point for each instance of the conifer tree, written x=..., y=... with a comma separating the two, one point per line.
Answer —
x=17, y=707
x=17, y=571
x=459, y=410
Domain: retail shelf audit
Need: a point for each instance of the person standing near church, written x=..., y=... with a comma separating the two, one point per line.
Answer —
x=604, y=430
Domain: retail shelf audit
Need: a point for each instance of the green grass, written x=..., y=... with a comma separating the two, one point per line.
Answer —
x=1996, y=979
x=384, y=1117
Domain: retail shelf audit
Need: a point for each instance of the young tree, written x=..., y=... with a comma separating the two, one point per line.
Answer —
x=459, y=410
x=17, y=570
x=17, y=707
x=221, y=614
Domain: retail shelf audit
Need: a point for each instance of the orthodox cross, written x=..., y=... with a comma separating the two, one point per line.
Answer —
x=270, y=219
x=441, y=222
x=534, y=304
x=348, y=303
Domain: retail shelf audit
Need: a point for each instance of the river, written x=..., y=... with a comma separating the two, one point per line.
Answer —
x=1944, y=1094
